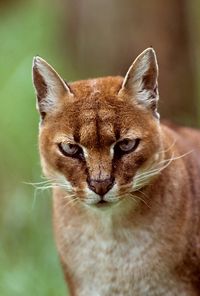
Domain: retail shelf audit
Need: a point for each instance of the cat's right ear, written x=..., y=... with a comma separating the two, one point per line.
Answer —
x=50, y=87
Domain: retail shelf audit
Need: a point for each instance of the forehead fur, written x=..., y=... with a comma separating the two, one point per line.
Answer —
x=95, y=120
x=97, y=116
x=105, y=86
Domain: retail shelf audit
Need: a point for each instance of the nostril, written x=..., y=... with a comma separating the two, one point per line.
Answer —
x=100, y=187
x=92, y=187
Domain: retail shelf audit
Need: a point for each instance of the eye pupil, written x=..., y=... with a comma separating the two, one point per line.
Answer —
x=72, y=147
x=125, y=142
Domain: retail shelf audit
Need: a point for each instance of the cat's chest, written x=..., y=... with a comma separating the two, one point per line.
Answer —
x=108, y=264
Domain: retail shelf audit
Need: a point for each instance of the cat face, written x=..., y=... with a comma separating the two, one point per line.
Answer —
x=99, y=136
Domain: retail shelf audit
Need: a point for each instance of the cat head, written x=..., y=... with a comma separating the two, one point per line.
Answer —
x=98, y=137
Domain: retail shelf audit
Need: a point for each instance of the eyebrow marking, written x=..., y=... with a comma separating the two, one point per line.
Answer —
x=76, y=134
x=76, y=131
x=117, y=128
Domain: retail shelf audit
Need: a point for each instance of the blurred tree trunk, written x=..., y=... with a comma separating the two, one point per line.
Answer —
x=7, y=3
x=105, y=36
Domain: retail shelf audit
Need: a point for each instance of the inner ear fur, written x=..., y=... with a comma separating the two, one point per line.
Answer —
x=141, y=80
x=50, y=87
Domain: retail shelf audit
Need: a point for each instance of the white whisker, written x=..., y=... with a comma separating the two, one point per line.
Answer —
x=72, y=202
x=141, y=199
x=142, y=179
x=69, y=196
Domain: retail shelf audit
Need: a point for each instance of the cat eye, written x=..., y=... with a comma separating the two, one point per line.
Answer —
x=69, y=149
x=126, y=146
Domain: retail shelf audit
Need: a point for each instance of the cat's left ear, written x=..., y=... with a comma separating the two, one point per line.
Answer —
x=141, y=80
x=50, y=87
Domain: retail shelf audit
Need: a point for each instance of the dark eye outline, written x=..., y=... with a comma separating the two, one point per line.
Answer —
x=118, y=152
x=77, y=154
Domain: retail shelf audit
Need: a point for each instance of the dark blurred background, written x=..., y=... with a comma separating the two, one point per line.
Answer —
x=80, y=39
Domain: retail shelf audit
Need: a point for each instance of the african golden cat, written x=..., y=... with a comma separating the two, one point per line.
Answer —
x=126, y=188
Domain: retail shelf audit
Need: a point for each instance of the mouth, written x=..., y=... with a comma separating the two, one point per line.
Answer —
x=102, y=203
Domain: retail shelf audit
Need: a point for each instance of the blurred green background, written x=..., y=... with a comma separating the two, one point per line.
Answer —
x=80, y=39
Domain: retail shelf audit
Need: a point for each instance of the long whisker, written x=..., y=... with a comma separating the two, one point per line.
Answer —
x=167, y=161
x=48, y=184
x=156, y=169
x=72, y=201
x=169, y=147
x=69, y=196
x=143, y=194
x=41, y=182
x=159, y=168
x=141, y=199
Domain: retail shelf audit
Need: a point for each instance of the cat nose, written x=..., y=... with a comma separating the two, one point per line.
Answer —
x=101, y=187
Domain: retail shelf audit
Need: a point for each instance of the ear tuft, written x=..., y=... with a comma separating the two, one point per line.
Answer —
x=141, y=80
x=50, y=87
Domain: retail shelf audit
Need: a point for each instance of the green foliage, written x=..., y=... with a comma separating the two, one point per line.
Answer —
x=29, y=264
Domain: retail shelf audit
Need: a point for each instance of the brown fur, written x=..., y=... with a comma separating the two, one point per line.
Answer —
x=100, y=114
